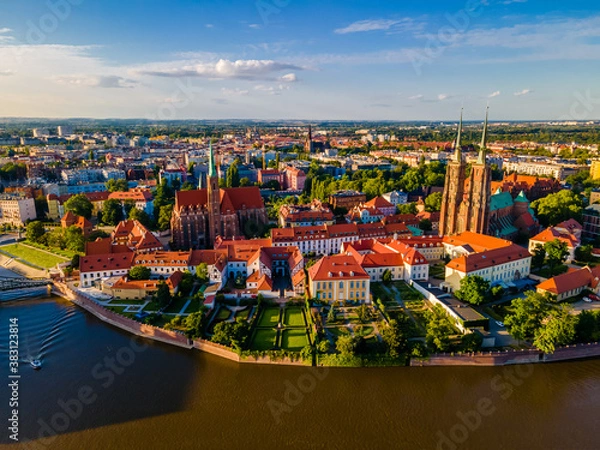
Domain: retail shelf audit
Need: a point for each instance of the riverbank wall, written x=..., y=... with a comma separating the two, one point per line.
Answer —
x=158, y=334
x=499, y=358
x=511, y=357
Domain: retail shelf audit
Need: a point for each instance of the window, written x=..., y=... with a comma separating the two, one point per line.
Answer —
x=341, y=285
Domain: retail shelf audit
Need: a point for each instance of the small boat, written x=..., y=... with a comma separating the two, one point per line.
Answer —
x=36, y=364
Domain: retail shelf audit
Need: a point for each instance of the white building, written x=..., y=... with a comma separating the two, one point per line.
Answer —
x=500, y=266
x=16, y=211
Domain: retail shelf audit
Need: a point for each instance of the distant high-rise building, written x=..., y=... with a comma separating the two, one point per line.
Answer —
x=65, y=130
x=41, y=132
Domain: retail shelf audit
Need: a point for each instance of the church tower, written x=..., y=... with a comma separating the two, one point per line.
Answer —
x=481, y=188
x=309, y=147
x=214, y=200
x=450, y=222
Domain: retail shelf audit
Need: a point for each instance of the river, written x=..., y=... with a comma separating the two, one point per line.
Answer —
x=123, y=393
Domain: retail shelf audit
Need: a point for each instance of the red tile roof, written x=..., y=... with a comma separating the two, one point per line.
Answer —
x=338, y=267
x=490, y=258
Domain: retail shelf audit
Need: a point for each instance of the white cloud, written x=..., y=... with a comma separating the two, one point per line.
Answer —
x=289, y=78
x=443, y=97
x=99, y=81
x=6, y=73
x=523, y=92
x=362, y=26
x=221, y=69
x=254, y=26
x=494, y=94
x=209, y=25
x=234, y=92
x=416, y=97
x=5, y=30
x=273, y=90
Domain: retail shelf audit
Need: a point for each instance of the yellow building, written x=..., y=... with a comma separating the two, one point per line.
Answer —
x=339, y=278
x=595, y=170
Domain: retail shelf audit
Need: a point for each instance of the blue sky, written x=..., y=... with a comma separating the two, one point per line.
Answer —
x=292, y=59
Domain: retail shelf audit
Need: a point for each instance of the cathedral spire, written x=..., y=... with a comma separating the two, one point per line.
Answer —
x=457, y=147
x=212, y=169
x=483, y=147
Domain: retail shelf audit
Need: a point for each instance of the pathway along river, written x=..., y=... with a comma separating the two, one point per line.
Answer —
x=121, y=393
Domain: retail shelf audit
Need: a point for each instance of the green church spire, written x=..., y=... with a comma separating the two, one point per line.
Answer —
x=458, y=146
x=212, y=169
x=483, y=148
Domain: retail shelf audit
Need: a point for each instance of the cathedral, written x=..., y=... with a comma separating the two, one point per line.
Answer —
x=200, y=216
x=466, y=200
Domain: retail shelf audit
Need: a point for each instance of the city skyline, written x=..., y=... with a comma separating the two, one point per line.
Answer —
x=285, y=60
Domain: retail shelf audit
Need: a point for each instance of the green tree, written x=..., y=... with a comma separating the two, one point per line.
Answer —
x=74, y=239
x=558, y=329
x=587, y=327
x=538, y=258
x=346, y=345
x=245, y=182
x=233, y=175
x=433, y=202
x=386, y=277
x=439, y=329
x=408, y=208
x=119, y=185
x=41, y=207
x=112, y=212
x=527, y=314
x=164, y=218
x=35, y=231
x=555, y=208
x=473, y=289
x=232, y=334
x=583, y=253
x=364, y=313
x=141, y=216
x=140, y=273
x=394, y=338
x=425, y=225
x=556, y=254
x=163, y=295
x=195, y=323
x=79, y=205
x=202, y=273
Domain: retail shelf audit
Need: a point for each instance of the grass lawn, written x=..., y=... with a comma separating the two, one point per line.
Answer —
x=126, y=302
x=193, y=307
x=338, y=331
x=269, y=317
x=294, y=317
x=117, y=309
x=223, y=313
x=545, y=272
x=176, y=305
x=380, y=292
x=294, y=339
x=264, y=339
x=367, y=330
x=243, y=314
x=407, y=293
x=33, y=256
x=152, y=306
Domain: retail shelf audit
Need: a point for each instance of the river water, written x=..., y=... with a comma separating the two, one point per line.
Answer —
x=99, y=388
